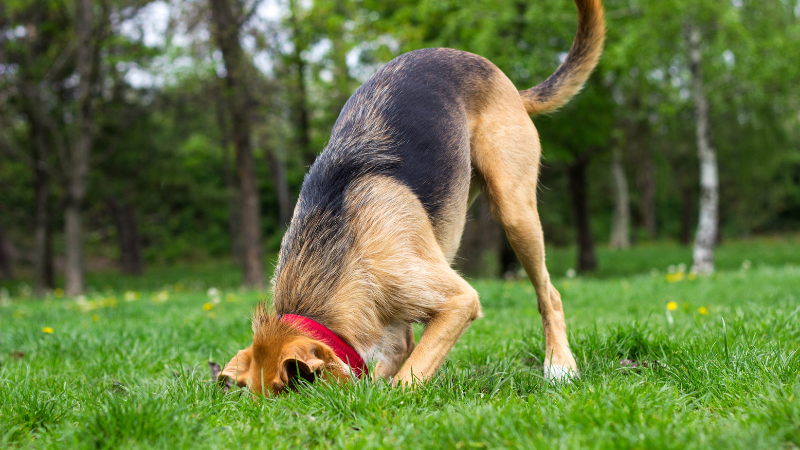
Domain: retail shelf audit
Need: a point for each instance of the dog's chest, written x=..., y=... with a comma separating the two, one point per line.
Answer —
x=389, y=348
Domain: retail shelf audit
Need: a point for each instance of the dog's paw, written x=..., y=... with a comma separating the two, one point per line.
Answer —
x=555, y=373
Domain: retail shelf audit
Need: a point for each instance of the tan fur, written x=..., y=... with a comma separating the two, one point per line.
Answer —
x=280, y=354
x=581, y=60
x=506, y=153
x=391, y=264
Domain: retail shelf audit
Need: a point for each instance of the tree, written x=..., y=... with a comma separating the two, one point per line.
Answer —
x=620, y=229
x=706, y=236
x=228, y=17
x=44, y=55
x=77, y=161
x=300, y=40
x=5, y=260
x=234, y=203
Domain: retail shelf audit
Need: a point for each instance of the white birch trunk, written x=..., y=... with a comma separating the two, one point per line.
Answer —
x=709, y=179
x=620, y=228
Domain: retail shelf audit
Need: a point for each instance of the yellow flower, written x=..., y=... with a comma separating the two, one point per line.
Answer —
x=207, y=307
x=58, y=292
x=47, y=330
x=702, y=310
x=677, y=276
x=95, y=317
x=672, y=306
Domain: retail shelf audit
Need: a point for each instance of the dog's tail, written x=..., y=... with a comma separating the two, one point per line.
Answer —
x=570, y=76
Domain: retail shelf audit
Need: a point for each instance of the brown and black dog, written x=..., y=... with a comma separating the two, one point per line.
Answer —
x=382, y=210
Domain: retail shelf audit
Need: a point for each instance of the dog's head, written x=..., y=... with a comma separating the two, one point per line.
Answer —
x=280, y=358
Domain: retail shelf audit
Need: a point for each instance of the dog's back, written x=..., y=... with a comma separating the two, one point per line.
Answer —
x=408, y=122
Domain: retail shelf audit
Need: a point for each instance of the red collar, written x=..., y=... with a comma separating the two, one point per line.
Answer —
x=339, y=346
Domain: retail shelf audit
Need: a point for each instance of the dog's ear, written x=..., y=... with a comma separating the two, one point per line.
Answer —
x=236, y=371
x=308, y=359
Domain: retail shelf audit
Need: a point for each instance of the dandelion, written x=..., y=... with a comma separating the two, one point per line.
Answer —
x=702, y=310
x=47, y=330
x=207, y=307
x=675, y=277
x=672, y=306
x=161, y=296
x=95, y=317
x=131, y=296
x=58, y=292
x=571, y=273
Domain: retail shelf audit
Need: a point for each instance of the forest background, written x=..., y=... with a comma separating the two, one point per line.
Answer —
x=136, y=132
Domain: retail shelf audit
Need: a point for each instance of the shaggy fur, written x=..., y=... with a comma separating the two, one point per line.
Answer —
x=382, y=210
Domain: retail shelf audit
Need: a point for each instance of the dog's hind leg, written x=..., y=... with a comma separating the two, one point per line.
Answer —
x=505, y=153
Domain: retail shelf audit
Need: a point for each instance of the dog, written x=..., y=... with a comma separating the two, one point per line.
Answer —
x=381, y=212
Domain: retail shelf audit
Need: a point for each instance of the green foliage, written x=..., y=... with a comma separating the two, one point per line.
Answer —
x=159, y=146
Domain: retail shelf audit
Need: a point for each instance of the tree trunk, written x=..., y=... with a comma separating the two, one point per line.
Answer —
x=130, y=249
x=647, y=202
x=43, y=274
x=74, y=268
x=620, y=229
x=480, y=252
x=508, y=259
x=577, y=186
x=687, y=214
x=79, y=156
x=300, y=109
x=5, y=260
x=706, y=236
x=226, y=32
x=234, y=203
x=277, y=167
x=136, y=266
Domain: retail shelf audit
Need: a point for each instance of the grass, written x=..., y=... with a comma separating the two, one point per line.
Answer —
x=134, y=374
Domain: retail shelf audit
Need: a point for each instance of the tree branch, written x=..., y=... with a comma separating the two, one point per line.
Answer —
x=244, y=18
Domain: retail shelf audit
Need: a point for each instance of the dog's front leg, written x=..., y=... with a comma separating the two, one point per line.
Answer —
x=441, y=333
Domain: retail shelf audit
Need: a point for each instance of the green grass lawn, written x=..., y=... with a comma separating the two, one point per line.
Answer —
x=130, y=370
